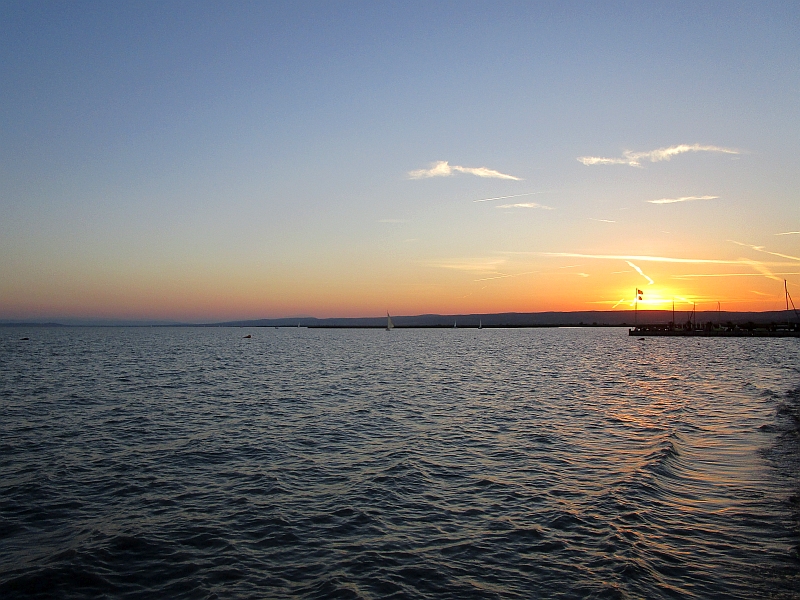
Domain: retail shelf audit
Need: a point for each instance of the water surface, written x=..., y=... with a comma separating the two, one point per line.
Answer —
x=564, y=463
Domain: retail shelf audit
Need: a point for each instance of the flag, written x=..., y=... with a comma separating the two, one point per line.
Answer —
x=640, y=292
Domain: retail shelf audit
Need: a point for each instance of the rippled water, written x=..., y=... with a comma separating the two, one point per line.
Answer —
x=574, y=463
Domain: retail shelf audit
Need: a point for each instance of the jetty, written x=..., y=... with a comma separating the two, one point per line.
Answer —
x=691, y=328
x=711, y=330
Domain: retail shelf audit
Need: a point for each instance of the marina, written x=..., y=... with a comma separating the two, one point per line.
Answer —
x=692, y=328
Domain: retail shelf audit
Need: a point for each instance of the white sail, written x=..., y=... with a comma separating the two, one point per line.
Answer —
x=389, y=324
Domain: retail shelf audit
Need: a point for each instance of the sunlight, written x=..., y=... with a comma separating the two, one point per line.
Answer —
x=658, y=298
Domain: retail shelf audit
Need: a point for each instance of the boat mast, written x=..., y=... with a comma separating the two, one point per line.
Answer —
x=636, y=308
x=786, y=294
x=789, y=299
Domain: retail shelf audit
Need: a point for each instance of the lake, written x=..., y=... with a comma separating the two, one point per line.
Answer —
x=417, y=463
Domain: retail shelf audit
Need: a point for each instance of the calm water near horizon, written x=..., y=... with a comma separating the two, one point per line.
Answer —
x=495, y=463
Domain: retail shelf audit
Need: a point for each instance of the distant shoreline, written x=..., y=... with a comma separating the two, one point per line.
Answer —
x=626, y=318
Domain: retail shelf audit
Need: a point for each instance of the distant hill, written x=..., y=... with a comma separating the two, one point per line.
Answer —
x=72, y=322
x=541, y=319
x=597, y=318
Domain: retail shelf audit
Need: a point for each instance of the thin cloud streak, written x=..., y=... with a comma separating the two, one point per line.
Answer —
x=478, y=265
x=602, y=220
x=682, y=199
x=761, y=268
x=694, y=275
x=643, y=258
x=639, y=270
x=525, y=205
x=507, y=275
x=442, y=168
x=635, y=159
x=505, y=197
x=761, y=249
x=789, y=233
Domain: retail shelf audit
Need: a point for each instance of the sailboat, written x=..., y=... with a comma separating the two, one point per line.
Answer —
x=389, y=324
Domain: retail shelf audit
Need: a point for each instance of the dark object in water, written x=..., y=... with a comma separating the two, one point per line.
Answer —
x=248, y=336
x=24, y=339
x=641, y=339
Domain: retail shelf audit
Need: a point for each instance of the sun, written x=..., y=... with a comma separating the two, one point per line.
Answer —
x=656, y=297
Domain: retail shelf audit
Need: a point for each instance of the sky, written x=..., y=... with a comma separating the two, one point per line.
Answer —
x=203, y=161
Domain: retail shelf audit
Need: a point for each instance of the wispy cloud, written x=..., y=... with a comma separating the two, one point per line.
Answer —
x=635, y=159
x=644, y=258
x=480, y=265
x=391, y=220
x=506, y=197
x=761, y=249
x=763, y=269
x=695, y=275
x=442, y=168
x=525, y=205
x=602, y=220
x=682, y=199
x=789, y=233
x=638, y=270
x=506, y=275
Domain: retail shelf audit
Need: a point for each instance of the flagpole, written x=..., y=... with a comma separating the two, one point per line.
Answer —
x=636, y=308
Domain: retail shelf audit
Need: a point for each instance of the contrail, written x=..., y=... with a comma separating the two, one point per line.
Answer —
x=504, y=197
x=638, y=270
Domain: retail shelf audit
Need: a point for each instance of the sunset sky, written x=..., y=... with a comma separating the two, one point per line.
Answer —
x=208, y=161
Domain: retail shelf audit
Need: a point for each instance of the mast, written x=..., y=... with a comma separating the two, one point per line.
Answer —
x=789, y=299
x=673, y=313
x=636, y=308
x=786, y=294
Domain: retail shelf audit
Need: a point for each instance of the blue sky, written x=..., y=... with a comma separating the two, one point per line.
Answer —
x=205, y=160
